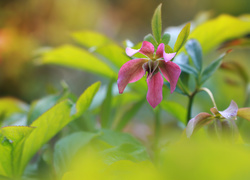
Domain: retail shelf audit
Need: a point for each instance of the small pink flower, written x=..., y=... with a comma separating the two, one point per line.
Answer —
x=204, y=118
x=156, y=62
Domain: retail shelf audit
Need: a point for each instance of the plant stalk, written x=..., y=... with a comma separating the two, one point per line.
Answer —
x=157, y=132
x=190, y=104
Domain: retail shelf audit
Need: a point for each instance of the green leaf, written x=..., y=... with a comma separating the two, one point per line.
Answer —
x=41, y=106
x=9, y=106
x=67, y=147
x=157, y=24
x=126, y=151
x=85, y=99
x=129, y=114
x=47, y=125
x=74, y=57
x=211, y=68
x=106, y=107
x=168, y=49
x=151, y=39
x=5, y=178
x=219, y=30
x=25, y=144
x=189, y=69
x=177, y=88
x=115, y=138
x=123, y=147
x=175, y=109
x=126, y=98
x=165, y=38
x=102, y=45
x=11, y=143
x=194, y=50
x=181, y=58
x=244, y=113
x=182, y=37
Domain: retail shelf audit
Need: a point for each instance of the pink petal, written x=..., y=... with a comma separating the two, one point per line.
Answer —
x=130, y=72
x=171, y=72
x=160, y=51
x=147, y=49
x=154, y=95
x=168, y=56
x=197, y=122
x=231, y=111
x=131, y=52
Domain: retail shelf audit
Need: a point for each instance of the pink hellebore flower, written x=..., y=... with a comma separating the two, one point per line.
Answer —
x=226, y=116
x=135, y=69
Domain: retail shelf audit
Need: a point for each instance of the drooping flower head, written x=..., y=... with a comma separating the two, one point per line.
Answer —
x=157, y=62
x=202, y=119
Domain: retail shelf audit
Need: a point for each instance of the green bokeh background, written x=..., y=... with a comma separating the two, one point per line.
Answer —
x=28, y=27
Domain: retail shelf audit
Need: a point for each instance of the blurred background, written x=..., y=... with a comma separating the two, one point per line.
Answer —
x=29, y=25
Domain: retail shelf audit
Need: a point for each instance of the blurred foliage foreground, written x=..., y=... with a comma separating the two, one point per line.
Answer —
x=64, y=137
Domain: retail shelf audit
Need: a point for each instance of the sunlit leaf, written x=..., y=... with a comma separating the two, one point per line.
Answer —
x=122, y=146
x=46, y=126
x=182, y=37
x=132, y=171
x=40, y=106
x=74, y=57
x=11, y=143
x=204, y=154
x=125, y=98
x=67, y=147
x=168, y=49
x=157, y=24
x=10, y=105
x=85, y=99
x=194, y=50
x=102, y=45
x=126, y=151
x=219, y=30
x=244, y=113
x=115, y=138
x=175, y=109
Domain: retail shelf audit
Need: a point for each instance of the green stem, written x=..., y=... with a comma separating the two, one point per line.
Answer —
x=183, y=87
x=190, y=104
x=157, y=132
x=210, y=95
x=157, y=126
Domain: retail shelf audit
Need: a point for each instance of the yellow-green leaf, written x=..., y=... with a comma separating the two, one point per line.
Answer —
x=11, y=143
x=216, y=31
x=102, y=45
x=157, y=24
x=47, y=125
x=74, y=57
x=244, y=113
x=182, y=37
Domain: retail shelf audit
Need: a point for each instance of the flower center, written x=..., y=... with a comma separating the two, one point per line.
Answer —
x=151, y=67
